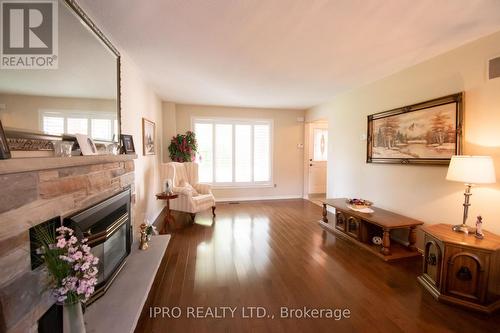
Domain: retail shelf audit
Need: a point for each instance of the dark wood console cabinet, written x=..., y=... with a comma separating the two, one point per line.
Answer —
x=461, y=269
x=361, y=227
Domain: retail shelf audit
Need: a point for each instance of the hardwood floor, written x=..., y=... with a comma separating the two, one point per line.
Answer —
x=274, y=254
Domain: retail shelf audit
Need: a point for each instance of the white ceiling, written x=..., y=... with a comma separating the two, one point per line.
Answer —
x=283, y=53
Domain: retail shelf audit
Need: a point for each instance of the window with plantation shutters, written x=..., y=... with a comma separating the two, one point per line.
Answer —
x=99, y=125
x=234, y=152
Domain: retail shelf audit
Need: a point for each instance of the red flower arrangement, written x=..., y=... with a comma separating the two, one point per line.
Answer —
x=183, y=147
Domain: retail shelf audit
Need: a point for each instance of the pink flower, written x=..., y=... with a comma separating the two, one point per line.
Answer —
x=77, y=255
x=61, y=243
x=73, y=240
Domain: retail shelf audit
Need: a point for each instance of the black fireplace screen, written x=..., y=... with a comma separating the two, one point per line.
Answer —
x=107, y=226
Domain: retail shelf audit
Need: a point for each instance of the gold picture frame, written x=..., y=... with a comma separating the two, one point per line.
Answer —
x=424, y=133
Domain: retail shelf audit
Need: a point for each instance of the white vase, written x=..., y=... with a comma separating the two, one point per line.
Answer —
x=73, y=318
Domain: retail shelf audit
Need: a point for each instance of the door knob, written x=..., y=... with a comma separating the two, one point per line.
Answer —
x=310, y=164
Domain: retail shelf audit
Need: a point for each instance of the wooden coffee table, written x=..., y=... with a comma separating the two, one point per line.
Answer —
x=169, y=219
x=361, y=227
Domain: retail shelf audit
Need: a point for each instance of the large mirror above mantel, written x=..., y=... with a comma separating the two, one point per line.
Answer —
x=81, y=96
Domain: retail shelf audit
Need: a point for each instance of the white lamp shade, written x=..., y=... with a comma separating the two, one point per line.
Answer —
x=471, y=169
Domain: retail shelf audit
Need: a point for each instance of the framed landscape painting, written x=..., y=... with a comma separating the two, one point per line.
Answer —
x=425, y=133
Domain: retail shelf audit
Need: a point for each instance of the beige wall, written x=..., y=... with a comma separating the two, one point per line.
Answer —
x=287, y=158
x=419, y=191
x=21, y=111
x=169, y=127
x=138, y=101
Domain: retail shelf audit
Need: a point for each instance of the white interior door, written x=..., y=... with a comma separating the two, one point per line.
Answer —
x=318, y=157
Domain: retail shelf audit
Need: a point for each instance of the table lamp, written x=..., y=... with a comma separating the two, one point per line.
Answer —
x=470, y=170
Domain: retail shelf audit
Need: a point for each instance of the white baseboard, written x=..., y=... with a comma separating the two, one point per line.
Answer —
x=274, y=197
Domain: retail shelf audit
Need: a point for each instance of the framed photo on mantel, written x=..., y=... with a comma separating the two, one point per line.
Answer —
x=127, y=144
x=424, y=133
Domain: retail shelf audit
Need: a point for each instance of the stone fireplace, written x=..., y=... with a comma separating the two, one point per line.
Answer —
x=74, y=190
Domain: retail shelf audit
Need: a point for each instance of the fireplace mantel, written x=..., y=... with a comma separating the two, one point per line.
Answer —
x=17, y=165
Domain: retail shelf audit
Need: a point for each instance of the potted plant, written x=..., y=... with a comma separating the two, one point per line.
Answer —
x=72, y=270
x=183, y=147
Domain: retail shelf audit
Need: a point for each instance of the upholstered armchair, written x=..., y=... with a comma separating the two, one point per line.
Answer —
x=193, y=196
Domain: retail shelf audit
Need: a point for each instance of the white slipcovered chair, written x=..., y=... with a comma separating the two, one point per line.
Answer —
x=193, y=196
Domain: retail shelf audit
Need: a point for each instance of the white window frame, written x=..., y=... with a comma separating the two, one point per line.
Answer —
x=89, y=115
x=233, y=122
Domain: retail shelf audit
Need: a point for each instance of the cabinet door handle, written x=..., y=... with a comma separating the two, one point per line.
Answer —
x=431, y=259
x=464, y=274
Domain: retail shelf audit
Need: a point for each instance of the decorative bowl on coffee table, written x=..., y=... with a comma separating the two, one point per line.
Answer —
x=358, y=204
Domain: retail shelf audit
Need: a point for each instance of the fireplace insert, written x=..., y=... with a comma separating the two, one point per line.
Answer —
x=107, y=226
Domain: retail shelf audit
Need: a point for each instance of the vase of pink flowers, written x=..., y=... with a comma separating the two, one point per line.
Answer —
x=73, y=273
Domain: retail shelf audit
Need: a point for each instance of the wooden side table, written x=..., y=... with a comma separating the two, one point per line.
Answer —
x=169, y=219
x=461, y=269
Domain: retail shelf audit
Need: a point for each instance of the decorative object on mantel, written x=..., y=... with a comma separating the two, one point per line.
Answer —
x=479, y=227
x=62, y=148
x=73, y=271
x=26, y=141
x=183, y=147
x=113, y=148
x=425, y=133
x=470, y=170
x=148, y=137
x=360, y=205
x=87, y=145
x=127, y=143
x=4, y=146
